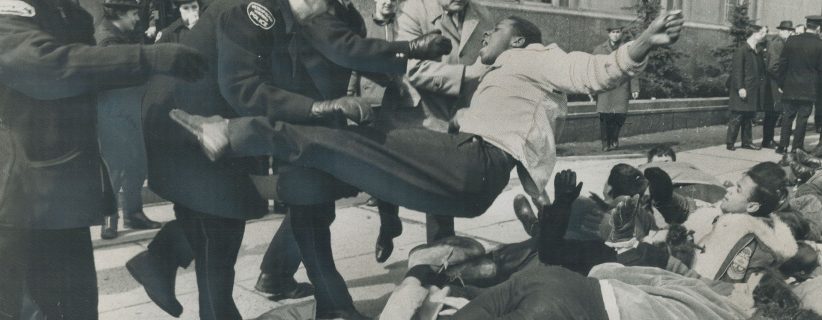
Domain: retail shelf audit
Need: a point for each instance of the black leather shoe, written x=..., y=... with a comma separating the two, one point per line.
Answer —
x=157, y=277
x=730, y=147
x=109, y=228
x=751, y=147
x=390, y=228
x=278, y=290
x=780, y=150
x=768, y=144
x=807, y=159
x=138, y=220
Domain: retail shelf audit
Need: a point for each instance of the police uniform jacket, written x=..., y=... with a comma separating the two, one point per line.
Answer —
x=747, y=72
x=800, y=66
x=51, y=173
x=616, y=100
x=261, y=66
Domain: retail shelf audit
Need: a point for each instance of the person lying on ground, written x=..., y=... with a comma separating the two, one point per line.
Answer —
x=612, y=291
x=732, y=238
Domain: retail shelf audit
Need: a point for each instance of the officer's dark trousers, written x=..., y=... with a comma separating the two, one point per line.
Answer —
x=743, y=119
x=57, y=267
x=799, y=110
x=122, y=146
x=610, y=124
x=215, y=242
x=769, y=125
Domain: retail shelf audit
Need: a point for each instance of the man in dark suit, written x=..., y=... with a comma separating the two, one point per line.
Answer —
x=774, y=49
x=798, y=71
x=748, y=87
x=266, y=64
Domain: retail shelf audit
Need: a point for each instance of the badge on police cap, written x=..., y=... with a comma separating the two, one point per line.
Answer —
x=260, y=15
x=16, y=8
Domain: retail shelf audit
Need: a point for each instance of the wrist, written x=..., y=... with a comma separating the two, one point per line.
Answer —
x=640, y=47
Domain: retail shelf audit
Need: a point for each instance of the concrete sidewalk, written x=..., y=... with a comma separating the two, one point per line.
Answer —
x=354, y=232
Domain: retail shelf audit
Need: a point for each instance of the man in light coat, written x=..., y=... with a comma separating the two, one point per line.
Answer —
x=446, y=85
x=612, y=105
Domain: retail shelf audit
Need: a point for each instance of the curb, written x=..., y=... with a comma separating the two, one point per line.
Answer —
x=603, y=157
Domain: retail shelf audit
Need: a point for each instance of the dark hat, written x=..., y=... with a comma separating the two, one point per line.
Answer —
x=609, y=29
x=181, y=2
x=785, y=25
x=121, y=3
x=814, y=18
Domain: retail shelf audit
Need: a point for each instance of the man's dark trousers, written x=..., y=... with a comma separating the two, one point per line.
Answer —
x=799, y=110
x=743, y=119
x=215, y=242
x=456, y=175
x=55, y=266
x=769, y=125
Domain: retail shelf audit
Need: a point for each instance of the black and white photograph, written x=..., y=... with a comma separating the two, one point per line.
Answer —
x=410, y=159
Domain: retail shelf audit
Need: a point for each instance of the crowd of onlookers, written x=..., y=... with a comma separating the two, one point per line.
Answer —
x=779, y=76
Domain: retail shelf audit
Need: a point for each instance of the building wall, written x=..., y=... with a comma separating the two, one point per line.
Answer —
x=774, y=11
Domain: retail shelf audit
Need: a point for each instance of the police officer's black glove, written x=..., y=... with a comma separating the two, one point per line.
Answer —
x=660, y=185
x=175, y=60
x=355, y=108
x=429, y=46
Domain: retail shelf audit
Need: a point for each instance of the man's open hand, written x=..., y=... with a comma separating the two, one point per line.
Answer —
x=665, y=29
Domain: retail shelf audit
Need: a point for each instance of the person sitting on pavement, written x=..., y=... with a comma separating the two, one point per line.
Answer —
x=688, y=179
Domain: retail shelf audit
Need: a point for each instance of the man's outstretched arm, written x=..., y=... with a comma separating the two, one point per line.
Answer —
x=580, y=72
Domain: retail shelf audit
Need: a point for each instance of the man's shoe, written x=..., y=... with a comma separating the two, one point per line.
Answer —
x=750, y=147
x=109, y=228
x=269, y=284
x=768, y=144
x=730, y=147
x=390, y=228
x=526, y=216
x=138, y=220
x=445, y=252
x=211, y=132
x=780, y=150
x=157, y=277
x=808, y=159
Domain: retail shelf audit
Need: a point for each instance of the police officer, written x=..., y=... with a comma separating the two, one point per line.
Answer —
x=263, y=58
x=53, y=184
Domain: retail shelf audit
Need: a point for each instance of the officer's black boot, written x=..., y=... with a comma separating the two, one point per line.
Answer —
x=109, y=228
x=390, y=228
x=157, y=275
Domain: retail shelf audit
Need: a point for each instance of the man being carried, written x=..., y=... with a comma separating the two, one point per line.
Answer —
x=439, y=173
